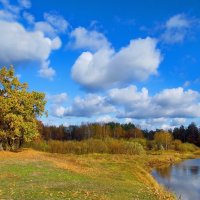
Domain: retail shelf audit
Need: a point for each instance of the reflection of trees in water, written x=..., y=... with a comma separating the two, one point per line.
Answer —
x=194, y=170
x=190, y=170
x=164, y=172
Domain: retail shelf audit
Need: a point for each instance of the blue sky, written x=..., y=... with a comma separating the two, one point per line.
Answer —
x=99, y=61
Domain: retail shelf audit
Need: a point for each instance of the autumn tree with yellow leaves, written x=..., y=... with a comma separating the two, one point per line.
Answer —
x=163, y=138
x=19, y=110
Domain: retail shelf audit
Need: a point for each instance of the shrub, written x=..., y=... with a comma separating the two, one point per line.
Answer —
x=141, y=141
x=96, y=146
x=176, y=144
x=187, y=147
x=151, y=145
x=114, y=146
x=134, y=148
x=40, y=145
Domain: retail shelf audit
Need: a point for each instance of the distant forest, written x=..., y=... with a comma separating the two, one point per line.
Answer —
x=190, y=134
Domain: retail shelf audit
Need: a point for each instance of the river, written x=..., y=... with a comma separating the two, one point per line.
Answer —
x=183, y=179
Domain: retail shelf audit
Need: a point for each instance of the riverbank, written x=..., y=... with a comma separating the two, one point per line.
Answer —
x=38, y=175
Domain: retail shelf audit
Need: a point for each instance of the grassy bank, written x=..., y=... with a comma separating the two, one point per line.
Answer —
x=38, y=175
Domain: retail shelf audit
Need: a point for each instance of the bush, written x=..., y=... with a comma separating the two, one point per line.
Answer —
x=134, y=148
x=187, y=147
x=151, y=145
x=40, y=145
x=176, y=144
x=141, y=141
x=96, y=146
x=114, y=146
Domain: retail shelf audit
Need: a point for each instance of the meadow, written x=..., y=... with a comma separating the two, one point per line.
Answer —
x=31, y=174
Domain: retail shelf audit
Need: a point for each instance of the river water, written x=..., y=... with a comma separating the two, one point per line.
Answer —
x=183, y=179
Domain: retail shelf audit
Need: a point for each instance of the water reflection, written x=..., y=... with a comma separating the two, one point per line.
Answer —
x=164, y=172
x=183, y=179
x=194, y=170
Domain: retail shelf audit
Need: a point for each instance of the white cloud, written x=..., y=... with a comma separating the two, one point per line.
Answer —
x=58, y=111
x=7, y=16
x=128, y=120
x=178, y=21
x=129, y=96
x=170, y=106
x=90, y=40
x=9, y=12
x=89, y=106
x=10, y=8
x=57, y=21
x=160, y=123
x=52, y=25
x=19, y=45
x=29, y=17
x=186, y=83
x=58, y=98
x=46, y=28
x=106, y=68
x=169, y=103
x=106, y=119
x=178, y=121
x=46, y=71
x=176, y=29
x=25, y=3
x=175, y=97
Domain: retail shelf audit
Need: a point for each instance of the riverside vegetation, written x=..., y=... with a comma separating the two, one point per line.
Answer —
x=91, y=161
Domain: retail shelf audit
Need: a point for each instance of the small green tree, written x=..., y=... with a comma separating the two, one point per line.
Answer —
x=19, y=110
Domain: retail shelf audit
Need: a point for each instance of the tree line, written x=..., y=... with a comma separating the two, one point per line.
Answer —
x=190, y=134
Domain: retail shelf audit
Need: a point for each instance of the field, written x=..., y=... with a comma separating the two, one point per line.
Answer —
x=37, y=175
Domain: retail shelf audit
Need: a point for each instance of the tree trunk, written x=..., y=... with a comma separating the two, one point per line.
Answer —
x=1, y=146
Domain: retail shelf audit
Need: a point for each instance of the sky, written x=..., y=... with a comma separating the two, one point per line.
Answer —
x=107, y=60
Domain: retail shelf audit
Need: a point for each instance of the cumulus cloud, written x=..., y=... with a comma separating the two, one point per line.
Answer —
x=129, y=96
x=89, y=106
x=19, y=45
x=58, y=111
x=177, y=28
x=34, y=44
x=106, y=68
x=86, y=39
x=170, y=106
x=46, y=71
x=58, y=98
x=169, y=103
